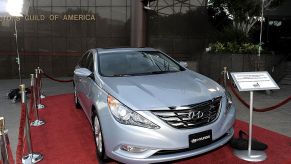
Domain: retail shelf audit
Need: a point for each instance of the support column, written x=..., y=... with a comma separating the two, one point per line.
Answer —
x=138, y=26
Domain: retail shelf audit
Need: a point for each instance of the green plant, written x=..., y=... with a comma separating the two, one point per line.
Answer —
x=217, y=47
x=242, y=14
x=234, y=47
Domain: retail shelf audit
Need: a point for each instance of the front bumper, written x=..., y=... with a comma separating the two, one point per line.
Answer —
x=166, y=138
x=174, y=156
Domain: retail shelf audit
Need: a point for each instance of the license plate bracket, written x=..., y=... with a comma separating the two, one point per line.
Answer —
x=200, y=139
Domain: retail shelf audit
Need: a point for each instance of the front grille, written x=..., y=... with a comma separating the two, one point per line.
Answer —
x=191, y=116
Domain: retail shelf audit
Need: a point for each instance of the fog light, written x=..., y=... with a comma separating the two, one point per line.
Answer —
x=133, y=149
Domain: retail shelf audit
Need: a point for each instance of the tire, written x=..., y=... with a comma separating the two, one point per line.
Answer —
x=98, y=138
x=76, y=99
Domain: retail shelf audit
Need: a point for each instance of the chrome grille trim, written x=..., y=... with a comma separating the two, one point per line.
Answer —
x=187, y=116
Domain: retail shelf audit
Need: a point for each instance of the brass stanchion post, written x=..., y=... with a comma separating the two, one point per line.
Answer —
x=225, y=77
x=40, y=84
x=37, y=121
x=37, y=85
x=3, y=149
x=31, y=157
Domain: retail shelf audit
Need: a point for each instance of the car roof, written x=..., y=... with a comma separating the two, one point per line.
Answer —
x=109, y=50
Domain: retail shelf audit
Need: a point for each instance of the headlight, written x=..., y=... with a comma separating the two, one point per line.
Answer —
x=228, y=101
x=124, y=115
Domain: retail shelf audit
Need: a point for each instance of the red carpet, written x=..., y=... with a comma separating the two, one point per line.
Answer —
x=67, y=138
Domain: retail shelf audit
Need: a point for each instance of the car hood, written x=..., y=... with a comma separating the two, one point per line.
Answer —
x=160, y=91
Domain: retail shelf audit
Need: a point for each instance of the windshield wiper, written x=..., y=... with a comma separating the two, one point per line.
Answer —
x=143, y=73
x=121, y=75
x=161, y=72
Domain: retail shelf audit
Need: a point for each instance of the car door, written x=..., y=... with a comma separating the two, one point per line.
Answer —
x=79, y=80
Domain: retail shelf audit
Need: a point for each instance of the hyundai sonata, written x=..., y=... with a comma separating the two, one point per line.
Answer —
x=145, y=107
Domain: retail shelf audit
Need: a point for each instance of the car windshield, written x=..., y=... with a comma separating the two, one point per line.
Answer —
x=134, y=63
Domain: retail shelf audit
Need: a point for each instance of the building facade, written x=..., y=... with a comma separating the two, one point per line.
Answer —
x=55, y=33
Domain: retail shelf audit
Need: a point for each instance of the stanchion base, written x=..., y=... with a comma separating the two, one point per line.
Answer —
x=32, y=158
x=40, y=106
x=256, y=156
x=42, y=96
x=37, y=123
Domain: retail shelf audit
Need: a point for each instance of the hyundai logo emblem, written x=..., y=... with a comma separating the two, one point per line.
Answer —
x=195, y=114
x=211, y=107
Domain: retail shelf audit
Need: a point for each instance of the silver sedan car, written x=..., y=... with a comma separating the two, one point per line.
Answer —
x=145, y=107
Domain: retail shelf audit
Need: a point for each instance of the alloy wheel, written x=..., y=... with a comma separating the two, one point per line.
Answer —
x=98, y=136
x=75, y=96
x=76, y=100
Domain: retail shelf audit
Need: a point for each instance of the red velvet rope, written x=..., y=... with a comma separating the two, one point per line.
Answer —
x=259, y=109
x=8, y=149
x=58, y=80
x=19, y=151
x=38, y=87
x=9, y=153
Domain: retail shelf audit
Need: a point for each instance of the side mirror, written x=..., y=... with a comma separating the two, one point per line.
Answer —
x=183, y=64
x=83, y=72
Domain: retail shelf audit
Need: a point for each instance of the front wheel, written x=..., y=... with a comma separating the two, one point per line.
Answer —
x=98, y=138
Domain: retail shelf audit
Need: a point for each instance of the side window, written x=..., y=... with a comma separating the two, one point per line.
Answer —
x=82, y=62
x=90, y=62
